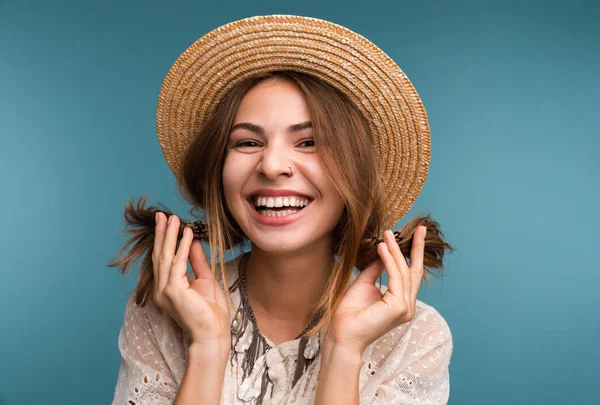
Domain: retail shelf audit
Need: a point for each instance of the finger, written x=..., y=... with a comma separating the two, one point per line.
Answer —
x=168, y=250
x=199, y=262
x=179, y=267
x=371, y=273
x=416, y=261
x=395, y=286
x=159, y=237
x=403, y=270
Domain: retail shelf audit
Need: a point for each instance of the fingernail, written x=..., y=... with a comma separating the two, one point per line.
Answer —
x=170, y=219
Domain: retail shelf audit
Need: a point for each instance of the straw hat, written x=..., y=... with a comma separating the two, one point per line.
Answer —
x=205, y=71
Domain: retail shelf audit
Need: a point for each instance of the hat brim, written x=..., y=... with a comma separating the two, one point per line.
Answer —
x=210, y=67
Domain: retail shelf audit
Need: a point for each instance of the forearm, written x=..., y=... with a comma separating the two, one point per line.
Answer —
x=338, y=378
x=203, y=379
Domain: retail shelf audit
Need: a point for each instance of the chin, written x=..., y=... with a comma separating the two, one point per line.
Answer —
x=279, y=245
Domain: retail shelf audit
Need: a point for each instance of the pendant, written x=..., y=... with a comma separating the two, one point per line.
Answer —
x=312, y=347
x=246, y=339
x=251, y=386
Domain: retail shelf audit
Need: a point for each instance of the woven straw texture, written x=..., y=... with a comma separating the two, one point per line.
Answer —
x=205, y=71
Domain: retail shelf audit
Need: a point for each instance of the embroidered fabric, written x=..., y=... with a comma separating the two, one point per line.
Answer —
x=408, y=365
x=152, y=360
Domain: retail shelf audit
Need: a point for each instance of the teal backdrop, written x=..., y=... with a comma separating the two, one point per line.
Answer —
x=511, y=90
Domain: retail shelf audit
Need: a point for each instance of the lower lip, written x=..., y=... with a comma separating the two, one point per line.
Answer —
x=276, y=221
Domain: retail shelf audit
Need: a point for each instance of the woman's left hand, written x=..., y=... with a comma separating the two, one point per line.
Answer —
x=364, y=314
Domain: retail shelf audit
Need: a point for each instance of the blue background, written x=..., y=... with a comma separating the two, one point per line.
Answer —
x=511, y=90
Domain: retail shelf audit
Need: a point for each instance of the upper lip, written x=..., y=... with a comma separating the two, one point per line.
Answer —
x=278, y=192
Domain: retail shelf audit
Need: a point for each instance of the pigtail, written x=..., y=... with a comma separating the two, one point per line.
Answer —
x=435, y=246
x=140, y=226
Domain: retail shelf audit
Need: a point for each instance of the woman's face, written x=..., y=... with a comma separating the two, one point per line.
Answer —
x=271, y=134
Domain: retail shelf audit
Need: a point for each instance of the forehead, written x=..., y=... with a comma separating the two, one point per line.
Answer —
x=273, y=100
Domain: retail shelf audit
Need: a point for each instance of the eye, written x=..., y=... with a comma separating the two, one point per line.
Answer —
x=309, y=140
x=245, y=143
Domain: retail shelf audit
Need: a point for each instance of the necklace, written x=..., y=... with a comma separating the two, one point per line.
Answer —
x=250, y=339
x=251, y=312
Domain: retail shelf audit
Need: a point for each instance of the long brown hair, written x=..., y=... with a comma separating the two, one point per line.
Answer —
x=349, y=161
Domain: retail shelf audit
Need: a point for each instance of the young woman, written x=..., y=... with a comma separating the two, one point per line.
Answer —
x=303, y=140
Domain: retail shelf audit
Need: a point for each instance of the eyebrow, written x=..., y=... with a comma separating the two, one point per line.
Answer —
x=259, y=130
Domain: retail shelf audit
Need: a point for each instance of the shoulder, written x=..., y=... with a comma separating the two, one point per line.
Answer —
x=410, y=362
x=150, y=341
x=413, y=356
x=436, y=326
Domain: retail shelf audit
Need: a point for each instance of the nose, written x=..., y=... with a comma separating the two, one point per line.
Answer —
x=275, y=161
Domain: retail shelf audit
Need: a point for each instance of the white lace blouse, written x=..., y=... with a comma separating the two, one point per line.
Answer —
x=407, y=365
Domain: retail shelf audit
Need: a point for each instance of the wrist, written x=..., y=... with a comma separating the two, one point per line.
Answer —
x=209, y=351
x=352, y=350
x=333, y=349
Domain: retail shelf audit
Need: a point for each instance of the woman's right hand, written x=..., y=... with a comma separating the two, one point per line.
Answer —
x=193, y=304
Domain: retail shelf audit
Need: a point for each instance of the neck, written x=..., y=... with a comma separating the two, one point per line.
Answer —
x=282, y=289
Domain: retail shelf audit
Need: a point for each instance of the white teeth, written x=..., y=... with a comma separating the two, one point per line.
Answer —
x=271, y=213
x=270, y=202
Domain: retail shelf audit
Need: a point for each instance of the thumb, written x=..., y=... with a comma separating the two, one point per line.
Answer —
x=199, y=262
x=370, y=274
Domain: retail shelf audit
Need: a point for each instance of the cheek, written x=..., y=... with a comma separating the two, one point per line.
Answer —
x=234, y=178
x=333, y=196
x=229, y=181
x=324, y=184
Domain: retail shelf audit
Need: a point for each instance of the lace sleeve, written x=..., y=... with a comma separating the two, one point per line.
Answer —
x=410, y=365
x=144, y=375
